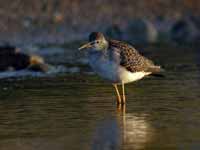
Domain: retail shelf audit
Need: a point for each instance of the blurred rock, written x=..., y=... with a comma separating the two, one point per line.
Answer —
x=163, y=26
x=20, y=61
x=7, y=56
x=39, y=67
x=34, y=59
x=12, y=59
x=114, y=32
x=27, y=22
x=141, y=31
x=8, y=49
x=36, y=63
x=184, y=30
x=58, y=17
x=196, y=21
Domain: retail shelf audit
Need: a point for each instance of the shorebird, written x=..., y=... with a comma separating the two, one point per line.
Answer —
x=117, y=62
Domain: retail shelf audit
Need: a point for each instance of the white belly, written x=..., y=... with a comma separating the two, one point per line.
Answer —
x=114, y=72
x=127, y=76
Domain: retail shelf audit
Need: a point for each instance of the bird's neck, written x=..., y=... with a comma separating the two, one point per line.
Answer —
x=96, y=55
x=106, y=45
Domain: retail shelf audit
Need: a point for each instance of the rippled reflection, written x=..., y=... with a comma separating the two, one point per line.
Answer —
x=107, y=135
x=124, y=130
x=136, y=130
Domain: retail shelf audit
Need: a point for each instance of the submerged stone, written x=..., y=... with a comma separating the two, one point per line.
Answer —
x=141, y=31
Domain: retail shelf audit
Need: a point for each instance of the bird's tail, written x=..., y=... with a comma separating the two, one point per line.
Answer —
x=157, y=71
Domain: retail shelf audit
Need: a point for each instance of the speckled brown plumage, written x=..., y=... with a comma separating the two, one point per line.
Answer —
x=131, y=59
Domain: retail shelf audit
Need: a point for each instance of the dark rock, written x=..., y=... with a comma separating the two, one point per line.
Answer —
x=196, y=21
x=36, y=63
x=12, y=59
x=41, y=67
x=141, y=31
x=180, y=31
x=163, y=26
x=183, y=30
x=114, y=32
x=7, y=57
x=8, y=49
x=20, y=61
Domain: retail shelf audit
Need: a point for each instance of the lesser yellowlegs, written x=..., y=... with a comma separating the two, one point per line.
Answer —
x=118, y=62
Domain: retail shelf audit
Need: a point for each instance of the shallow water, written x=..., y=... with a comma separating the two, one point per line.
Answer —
x=79, y=111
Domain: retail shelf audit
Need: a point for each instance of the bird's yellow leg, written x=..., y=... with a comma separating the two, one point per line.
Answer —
x=123, y=94
x=118, y=94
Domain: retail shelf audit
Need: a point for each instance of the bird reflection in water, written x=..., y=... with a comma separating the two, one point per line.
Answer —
x=122, y=131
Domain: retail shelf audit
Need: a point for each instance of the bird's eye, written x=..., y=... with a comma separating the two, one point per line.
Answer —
x=97, y=42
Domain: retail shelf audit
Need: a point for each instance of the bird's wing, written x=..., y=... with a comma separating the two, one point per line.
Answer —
x=130, y=58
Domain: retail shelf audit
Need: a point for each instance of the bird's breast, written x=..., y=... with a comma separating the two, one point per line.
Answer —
x=104, y=67
x=112, y=71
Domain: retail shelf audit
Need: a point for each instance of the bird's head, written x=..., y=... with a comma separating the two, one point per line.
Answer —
x=97, y=42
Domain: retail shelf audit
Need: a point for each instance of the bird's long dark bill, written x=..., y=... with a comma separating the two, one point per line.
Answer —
x=88, y=45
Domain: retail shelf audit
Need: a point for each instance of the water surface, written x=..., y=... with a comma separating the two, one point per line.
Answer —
x=79, y=111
